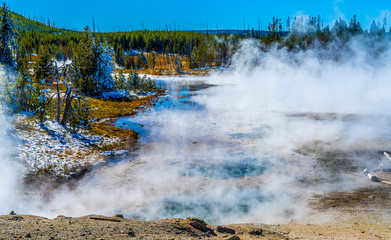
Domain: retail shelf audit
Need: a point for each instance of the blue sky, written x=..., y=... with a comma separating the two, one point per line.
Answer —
x=200, y=14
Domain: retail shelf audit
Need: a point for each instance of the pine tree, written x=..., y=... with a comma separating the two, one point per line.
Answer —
x=384, y=23
x=374, y=28
x=120, y=57
x=141, y=61
x=93, y=65
x=23, y=86
x=355, y=26
x=6, y=37
x=43, y=67
x=129, y=62
x=340, y=28
x=288, y=24
x=133, y=80
x=151, y=60
x=120, y=81
x=193, y=61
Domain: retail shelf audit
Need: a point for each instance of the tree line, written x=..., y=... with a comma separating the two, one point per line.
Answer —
x=27, y=45
x=58, y=90
x=201, y=49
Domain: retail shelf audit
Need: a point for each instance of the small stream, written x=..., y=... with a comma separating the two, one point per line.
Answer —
x=178, y=98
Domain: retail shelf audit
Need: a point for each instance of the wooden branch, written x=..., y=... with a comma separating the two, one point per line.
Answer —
x=58, y=95
x=105, y=219
x=68, y=102
x=387, y=155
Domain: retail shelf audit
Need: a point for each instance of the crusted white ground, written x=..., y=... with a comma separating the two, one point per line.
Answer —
x=53, y=149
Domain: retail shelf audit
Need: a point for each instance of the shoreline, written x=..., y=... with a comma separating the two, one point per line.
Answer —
x=65, y=156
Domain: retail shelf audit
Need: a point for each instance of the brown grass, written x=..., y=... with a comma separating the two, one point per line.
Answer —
x=110, y=109
x=104, y=108
x=166, y=64
x=62, y=86
x=126, y=137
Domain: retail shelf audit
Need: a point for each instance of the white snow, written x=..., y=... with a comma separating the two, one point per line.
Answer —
x=119, y=94
x=62, y=63
x=52, y=148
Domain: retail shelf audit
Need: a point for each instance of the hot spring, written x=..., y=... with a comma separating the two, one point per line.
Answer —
x=250, y=144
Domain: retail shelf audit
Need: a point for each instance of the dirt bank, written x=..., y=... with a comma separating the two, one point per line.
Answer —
x=352, y=226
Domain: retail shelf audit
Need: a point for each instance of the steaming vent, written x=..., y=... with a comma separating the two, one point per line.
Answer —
x=236, y=168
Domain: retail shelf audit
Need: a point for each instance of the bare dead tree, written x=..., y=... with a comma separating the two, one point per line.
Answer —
x=61, y=73
x=73, y=73
x=58, y=72
x=68, y=106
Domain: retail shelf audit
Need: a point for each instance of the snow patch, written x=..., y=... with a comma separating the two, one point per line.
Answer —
x=52, y=148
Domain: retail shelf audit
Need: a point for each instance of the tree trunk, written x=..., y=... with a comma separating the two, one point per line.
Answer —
x=58, y=96
x=68, y=102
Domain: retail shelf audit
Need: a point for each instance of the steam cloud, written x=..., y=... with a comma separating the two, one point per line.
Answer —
x=240, y=158
x=9, y=170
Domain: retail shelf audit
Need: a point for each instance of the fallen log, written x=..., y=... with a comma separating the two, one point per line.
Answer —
x=374, y=178
x=387, y=155
x=105, y=219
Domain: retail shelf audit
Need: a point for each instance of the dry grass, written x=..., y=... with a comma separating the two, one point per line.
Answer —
x=166, y=64
x=126, y=137
x=62, y=86
x=111, y=110
x=104, y=108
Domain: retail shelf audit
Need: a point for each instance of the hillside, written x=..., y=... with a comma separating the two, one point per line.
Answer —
x=24, y=24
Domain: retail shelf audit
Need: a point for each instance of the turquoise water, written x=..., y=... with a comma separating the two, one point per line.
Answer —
x=178, y=98
x=188, y=141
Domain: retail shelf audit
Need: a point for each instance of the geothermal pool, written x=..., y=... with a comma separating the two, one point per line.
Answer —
x=252, y=144
x=205, y=152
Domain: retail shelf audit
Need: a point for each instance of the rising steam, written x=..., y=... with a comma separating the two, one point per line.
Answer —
x=9, y=170
x=244, y=156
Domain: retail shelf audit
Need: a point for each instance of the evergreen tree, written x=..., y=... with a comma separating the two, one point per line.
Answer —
x=340, y=28
x=374, y=28
x=43, y=67
x=133, y=80
x=288, y=24
x=193, y=59
x=384, y=23
x=129, y=62
x=120, y=57
x=120, y=81
x=355, y=26
x=252, y=34
x=318, y=26
x=93, y=65
x=23, y=85
x=6, y=37
x=151, y=60
x=79, y=114
x=141, y=61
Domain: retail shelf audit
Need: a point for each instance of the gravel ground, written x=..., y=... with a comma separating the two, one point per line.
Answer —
x=355, y=226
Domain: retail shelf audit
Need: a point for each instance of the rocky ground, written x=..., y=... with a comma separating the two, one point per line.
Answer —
x=351, y=226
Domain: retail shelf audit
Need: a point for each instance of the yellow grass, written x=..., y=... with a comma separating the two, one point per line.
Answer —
x=166, y=64
x=104, y=108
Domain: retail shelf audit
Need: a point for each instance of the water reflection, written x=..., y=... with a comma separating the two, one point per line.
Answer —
x=178, y=98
